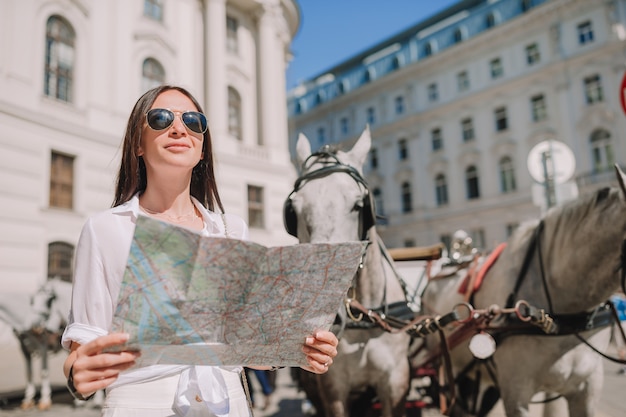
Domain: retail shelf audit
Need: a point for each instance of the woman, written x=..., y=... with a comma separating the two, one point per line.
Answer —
x=167, y=173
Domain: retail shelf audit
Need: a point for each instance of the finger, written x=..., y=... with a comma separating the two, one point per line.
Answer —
x=316, y=366
x=327, y=337
x=88, y=378
x=99, y=344
x=318, y=347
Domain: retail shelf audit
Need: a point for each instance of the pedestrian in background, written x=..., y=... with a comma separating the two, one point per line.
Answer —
x=619, y=301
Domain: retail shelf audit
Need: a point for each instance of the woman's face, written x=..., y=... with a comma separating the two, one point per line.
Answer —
x=175, y=146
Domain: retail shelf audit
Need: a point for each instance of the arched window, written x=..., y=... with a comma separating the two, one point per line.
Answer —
x=441, y=190
x=60, y=255
x=152, y=74
x=428, y=49
x=60, y=39
x=602, y=158
x=341, y=88
x=490, y=20
x=319, y=97
x=471, y=182
x=507, y=175
x=406, y=197
x=367, y=76
x=458, y=36
x=525, y=5
x=234, y=113
x=395, y=63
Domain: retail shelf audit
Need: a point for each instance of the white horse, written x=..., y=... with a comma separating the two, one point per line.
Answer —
x=567, y=265
x=332, y=203
x=28, y=317
x=60, y=293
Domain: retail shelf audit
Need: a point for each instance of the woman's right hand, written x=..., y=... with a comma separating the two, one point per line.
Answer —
x=93, y=369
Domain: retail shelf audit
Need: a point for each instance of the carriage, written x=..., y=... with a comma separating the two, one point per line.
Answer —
x=539, y=322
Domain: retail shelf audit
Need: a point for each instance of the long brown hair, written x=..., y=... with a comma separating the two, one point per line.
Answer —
x=132, y=179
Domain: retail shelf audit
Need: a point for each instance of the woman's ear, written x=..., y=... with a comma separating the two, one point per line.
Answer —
x=139, y=151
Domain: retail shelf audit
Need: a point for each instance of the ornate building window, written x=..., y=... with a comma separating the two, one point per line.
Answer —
x=152, y=74
x=61, y=180
x=495, y=66
x=462, y=81
x=370, y=115
x=232, y=38
x=501, y=119
x=532, y=54
x=507, y=175
x=373, y=158
x=399, y=104
x=585, y=33
x=467, y=129
x=490, y=20
x=538, y=108
x=321, y=136
x=378, y=201
x=153, y=9
x=602, y=157
x=593, y=89
x=234, y=113
x=60, y=257
x=433, y=92
x=428, y=49
x=255, y=207
x=59, y=70
x=457, y=37
x=344, y=126
x=471, y=182
x=441, y=190
x=407, y=199
x=403, y=150
x=436, y=139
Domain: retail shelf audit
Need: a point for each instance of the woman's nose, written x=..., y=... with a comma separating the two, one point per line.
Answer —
x=177, y=125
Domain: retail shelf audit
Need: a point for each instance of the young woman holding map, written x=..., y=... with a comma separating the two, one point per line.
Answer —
x=166, y=173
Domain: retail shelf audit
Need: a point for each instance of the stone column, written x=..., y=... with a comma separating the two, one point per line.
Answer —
x=216, y=88
x=272, y=100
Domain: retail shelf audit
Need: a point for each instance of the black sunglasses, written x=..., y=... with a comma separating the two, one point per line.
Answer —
x=160, y=119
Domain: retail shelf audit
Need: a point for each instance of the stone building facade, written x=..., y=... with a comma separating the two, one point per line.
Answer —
x=457, y=102
x=70, y=72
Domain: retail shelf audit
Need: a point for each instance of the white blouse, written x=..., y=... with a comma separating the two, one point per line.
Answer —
x=101, y=256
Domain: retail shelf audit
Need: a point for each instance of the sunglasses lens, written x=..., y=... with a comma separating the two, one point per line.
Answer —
x=195, y=121
x=159, y=119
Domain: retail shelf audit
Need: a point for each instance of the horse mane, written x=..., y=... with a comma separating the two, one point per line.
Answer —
x=579, y=210
x=570, y=213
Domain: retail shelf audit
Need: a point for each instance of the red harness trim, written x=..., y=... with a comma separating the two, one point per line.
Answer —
x=477, y=277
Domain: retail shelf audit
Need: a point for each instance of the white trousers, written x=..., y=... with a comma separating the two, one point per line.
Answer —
x=155, y=399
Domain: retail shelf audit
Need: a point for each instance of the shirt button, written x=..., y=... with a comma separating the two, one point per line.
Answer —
x=198, y=398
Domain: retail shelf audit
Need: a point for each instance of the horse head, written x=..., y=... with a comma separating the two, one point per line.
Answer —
x=41, y=305
x=324, y=207
x=58, y=293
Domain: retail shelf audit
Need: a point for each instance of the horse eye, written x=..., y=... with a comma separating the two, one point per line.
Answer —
x=358, y=206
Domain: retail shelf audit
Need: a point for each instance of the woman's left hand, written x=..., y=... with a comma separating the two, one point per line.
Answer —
x=320, y=349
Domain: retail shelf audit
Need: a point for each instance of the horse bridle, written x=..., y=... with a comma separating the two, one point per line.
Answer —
x=331, y=165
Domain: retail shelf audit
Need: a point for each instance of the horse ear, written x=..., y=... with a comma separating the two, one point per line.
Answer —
x=303, y=149
x=621, y=178
x=362, y=146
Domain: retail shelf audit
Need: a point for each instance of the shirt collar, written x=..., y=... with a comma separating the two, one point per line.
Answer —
x=212, y=221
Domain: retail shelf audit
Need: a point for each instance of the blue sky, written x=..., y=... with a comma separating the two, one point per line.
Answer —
x=334, y=30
